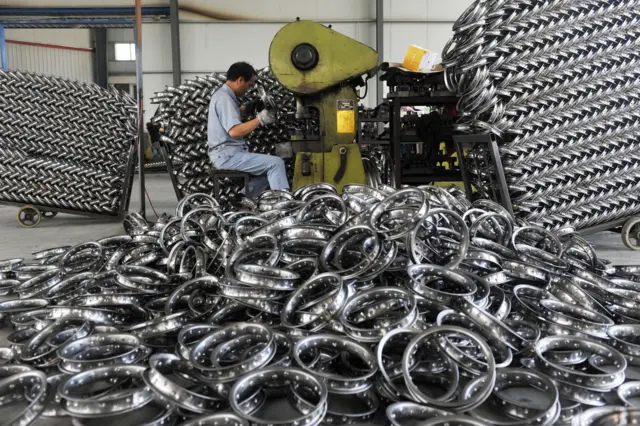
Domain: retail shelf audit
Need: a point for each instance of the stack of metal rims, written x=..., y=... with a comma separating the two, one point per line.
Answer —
x=380, y=305
x=557, y=82
x=63, y=143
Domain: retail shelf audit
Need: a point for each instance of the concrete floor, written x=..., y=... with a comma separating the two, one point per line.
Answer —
x=67, y=229
x=71, y=230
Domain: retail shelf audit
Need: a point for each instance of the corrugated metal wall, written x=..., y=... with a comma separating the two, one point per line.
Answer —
x=71, y=64
x=63, y=53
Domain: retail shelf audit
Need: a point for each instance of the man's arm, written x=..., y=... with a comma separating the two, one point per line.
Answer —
x=243, y=129
x=231, y=121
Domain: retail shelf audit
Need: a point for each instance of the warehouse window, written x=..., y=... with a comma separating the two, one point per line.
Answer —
x=125, y=52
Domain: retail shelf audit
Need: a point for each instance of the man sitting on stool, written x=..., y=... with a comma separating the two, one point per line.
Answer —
x=226, y=146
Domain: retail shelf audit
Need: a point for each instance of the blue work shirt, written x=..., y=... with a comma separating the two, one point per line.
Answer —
x=224, y=113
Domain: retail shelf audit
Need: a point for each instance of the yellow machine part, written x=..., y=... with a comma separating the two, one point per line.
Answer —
x=448, y=165
x=340, y=58
x=317, y=63
x=337, y=114
x=148, y=151
x=325, y=165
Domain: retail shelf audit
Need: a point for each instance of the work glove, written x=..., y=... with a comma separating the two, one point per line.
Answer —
x=267, y=116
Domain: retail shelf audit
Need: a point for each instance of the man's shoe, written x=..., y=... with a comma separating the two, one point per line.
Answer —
x=248, y=204
x=242, y=202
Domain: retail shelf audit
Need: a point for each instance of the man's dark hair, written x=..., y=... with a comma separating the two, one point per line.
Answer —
x=241, y=69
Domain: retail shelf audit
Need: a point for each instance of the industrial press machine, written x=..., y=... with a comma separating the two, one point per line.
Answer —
x=323, y=68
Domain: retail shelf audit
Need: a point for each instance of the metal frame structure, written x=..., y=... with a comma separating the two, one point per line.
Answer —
x=124, y=199
x=499, y=185
x=498, y=180
x=40, y=11
x=176, y=62
x=380, y=46
x=119, y=17
x=169, y=165
x=137, y=33
x=397, y=139
x=3, y=49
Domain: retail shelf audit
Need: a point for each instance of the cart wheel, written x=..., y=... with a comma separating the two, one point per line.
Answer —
x=631, y=234
x=29, y=216
x=49, y=214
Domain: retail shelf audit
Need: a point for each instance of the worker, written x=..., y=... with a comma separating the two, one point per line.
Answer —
x=155, y=130
x=226, y=146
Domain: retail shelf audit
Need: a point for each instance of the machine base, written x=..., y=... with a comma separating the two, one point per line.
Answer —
x=315, y=167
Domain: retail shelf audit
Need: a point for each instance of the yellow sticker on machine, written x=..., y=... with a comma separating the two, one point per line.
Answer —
x=346, y=122
x=346, y=116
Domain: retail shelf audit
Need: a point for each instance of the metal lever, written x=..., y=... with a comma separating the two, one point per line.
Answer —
x=343, y=165
x=306, y=165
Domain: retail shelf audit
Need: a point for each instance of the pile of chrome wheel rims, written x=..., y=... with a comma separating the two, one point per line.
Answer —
x=557, y=82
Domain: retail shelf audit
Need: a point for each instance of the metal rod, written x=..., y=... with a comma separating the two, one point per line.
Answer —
x=183, y=72
x=46, y=208
x=49, y=46
x=419, y=21
x=466, y=179
x=327, y=21
x=200, y=72
x=396, y=144
x=502, y=180
x=604, y=227
x=39, y=11
x=100, y=57
x=138, y=37
x=175, y=42
x=128, y=181
x=124, y=22
x=69, y=23
x=169, y=165
x=380, y=47
x=3, y=49
x=279, y=21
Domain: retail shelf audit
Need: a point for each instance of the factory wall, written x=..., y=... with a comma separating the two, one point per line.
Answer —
x=115, y=68
x=246, y=42
x=63, y=53
x=156, y=63
x=215, y=34
x=426, y=23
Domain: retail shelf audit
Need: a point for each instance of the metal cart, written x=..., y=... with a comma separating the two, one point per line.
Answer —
x=30, y=215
